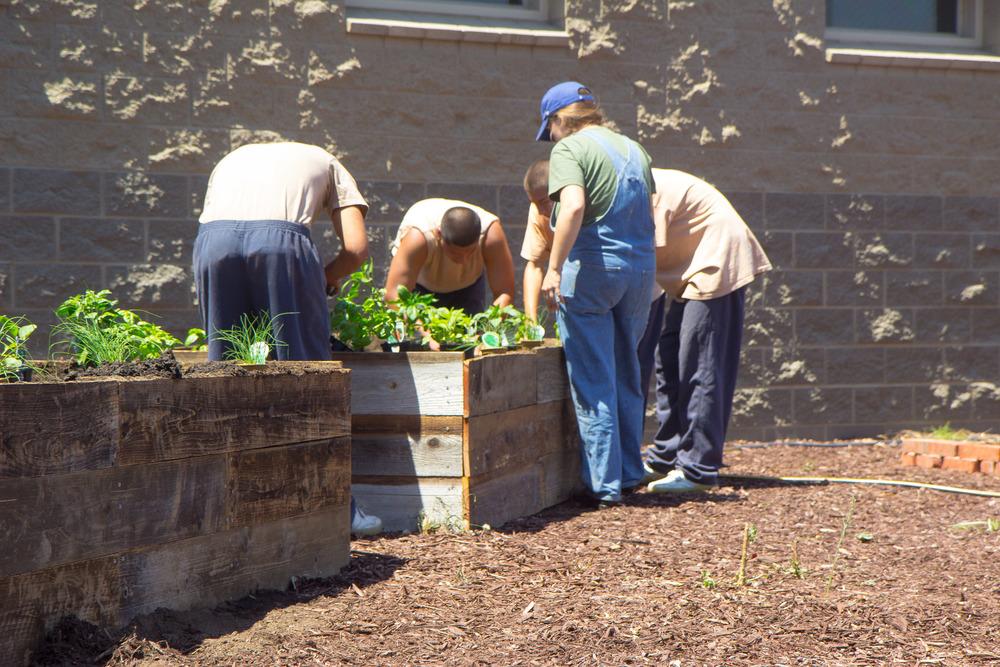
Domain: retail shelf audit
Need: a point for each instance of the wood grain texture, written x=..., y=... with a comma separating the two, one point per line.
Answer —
x=48, y=521
x=169, y=419
x=511, y=439
x=409, y=424
x=552, y=380
x=54, y=428
x=405, y=384
x=401, y=506
x=500, y=382
x=263, y=485
x=404, y=454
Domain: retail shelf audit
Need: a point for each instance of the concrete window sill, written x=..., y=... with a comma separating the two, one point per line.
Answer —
x=917, y=59
x=460, y=30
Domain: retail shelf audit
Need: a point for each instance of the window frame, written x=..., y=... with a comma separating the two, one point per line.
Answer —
x=457, y=8
x=969, y=35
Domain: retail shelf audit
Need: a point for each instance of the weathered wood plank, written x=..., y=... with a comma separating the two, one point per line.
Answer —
x=404, y=454
x=552, y=381
x=169, y=419
x=514, y=438
x=499, y=382
x=267, y=484
x=47, y=521
x=405, y=384
x=403, y=506
x=54, y=428
x=409, y=424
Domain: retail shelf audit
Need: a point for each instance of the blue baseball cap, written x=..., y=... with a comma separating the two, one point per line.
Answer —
x=558, y=97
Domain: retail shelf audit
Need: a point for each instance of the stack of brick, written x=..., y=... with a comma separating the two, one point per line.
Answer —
x=967, y=456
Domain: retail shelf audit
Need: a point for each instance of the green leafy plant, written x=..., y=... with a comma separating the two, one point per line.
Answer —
x=252, y=338
x=531, y=330
x=503, y=321
x=196, y=340
x=98, y=331
x=947, y=432
x=360, y=314
x=795, y=564
x=450, y=327
x=14, y=333
x=412, y=308
x=707, y=581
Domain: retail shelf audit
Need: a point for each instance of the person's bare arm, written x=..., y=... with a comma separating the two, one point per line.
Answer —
x=533, y=275
x=406, y=265
x=572, y=203
x=349, y=225
x=499, y=265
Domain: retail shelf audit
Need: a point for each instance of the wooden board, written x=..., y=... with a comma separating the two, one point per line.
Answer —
x=47, y=521
x=167, y=419
x=278, y=482
x=402, y=506
x=552, y=381
x=499, y=382
x=418, y=383
x=515, y=438
x=53, y=428
x=403, y=454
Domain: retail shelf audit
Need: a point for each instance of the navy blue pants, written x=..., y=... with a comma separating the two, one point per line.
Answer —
x=263, y=266
x=696, y=365
x=648, y=344
x=471, y=299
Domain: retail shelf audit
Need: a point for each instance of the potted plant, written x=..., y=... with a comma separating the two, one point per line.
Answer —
x=14, y=332
x=497, y=327
x=452, y=328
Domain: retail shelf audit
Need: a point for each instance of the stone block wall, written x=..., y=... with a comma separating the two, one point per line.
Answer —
x=873, y=188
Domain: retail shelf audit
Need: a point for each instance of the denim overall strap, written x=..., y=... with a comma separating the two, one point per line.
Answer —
x=622, y=236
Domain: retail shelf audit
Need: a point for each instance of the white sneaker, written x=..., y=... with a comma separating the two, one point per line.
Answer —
x=676, y=482
x=365, y=524
x=651, y=475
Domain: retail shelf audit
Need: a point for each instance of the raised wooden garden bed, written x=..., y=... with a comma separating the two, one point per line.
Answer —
x=118, y=497
x=444, y=440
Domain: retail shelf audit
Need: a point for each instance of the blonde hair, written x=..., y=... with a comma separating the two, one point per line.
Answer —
x=579, y=115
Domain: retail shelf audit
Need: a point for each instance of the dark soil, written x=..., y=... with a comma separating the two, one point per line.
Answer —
x=164, y=366
x=837, y=575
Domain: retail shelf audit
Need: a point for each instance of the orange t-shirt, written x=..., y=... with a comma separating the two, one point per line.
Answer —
x=538, y=237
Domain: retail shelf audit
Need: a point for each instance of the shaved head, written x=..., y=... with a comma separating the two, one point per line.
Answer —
x=460, y=226
x=536, y=179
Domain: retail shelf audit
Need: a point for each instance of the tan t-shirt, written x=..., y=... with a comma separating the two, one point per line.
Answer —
x=704, y=249
x=439, y=273
x=538, y=237
x=283, y=181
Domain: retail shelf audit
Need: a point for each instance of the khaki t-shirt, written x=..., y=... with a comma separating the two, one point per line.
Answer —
x=704, y=249
x=283, y=181
x=538, y=237
x=439, y=273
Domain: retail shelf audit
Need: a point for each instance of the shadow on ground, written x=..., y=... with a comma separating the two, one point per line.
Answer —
x=75, y=642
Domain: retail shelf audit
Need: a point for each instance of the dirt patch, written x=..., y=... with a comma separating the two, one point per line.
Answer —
x=164, y=366
x=837, y=575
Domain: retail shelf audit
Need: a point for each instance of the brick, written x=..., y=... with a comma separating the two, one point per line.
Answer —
x=854, y=288
x=963, y=465
x=824, y=250
x=48, y=285
x=824, y=326
x=855, y=365
x=792, y=288
x=794, y=211
x=914, y=288
x=986, y=251
x=971, y=213
x=941, y=251
x=989, y=468
x=915, y=445
x=473, y=193
x=27, y=238
x=854, y=212
x=929, y=461
x=57, y=191
x=138, y=194
x=941, y=447
x=972, y=288
x=750, y=206
x=913, y=213
x=980, y=451
x=908, y=458
x=388, y=202
x=101, y=240
x=5, y=185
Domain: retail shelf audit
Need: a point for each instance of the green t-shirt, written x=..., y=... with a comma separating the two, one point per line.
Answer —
x=579, y=160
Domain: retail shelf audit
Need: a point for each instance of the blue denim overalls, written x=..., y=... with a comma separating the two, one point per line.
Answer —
x=607, y=285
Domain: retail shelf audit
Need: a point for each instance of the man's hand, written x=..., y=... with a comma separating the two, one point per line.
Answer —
x=550, y=288
x=332, y=281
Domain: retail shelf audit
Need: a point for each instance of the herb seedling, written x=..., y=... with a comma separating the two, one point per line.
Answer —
x=252, y=339
x=14, y=333
x=196, y=340
x=707, y=581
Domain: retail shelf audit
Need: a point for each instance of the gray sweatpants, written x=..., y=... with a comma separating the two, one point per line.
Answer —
x=263, y=266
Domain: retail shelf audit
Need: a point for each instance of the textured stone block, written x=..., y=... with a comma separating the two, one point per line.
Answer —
x=985, y=401
x=794, y=211
x=914, y=288
x=762, y=407
x=941, y=402
x=854, y=288
x=972, y=363
x=823, y=405
x=941, y=251
x=146, y=195
x=790, y=365
x=388, y=202
x=67, y=11
x=944, y=325
x=986, y=251
x=5, y=186
x=6, y=287
x=972, y=288
x=152, y=286
x=57, y=191
x=885, y=326
x=824, y=250
x=855, y=212
x=101, y=240
x=885, y=250
x=779, y=247
x=986, y=325
x=147, y=100
x=48, y=285
x=792, y=288
x=883, y=404
x=763, y=326
x=972, y=213
x=855, y=365
x=750, y=206
x=71, y=96
x=824, y=326
x=171, y=241
x=913, y=213
x=915, y=364
x=473, y=193
x=27, y=238
x=197, y=187
x=513, y=206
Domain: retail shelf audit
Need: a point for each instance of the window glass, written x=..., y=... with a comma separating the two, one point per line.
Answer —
x=934, y=16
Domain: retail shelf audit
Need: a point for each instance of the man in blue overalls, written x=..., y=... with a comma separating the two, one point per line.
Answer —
x=601, y=273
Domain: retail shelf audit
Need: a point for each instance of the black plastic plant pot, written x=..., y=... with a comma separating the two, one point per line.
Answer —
x=404, y=346
x=23, y=374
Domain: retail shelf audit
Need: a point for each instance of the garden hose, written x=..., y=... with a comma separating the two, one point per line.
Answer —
x=856, y=480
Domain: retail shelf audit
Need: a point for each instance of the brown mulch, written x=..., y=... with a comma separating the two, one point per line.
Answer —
x=649, y=583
